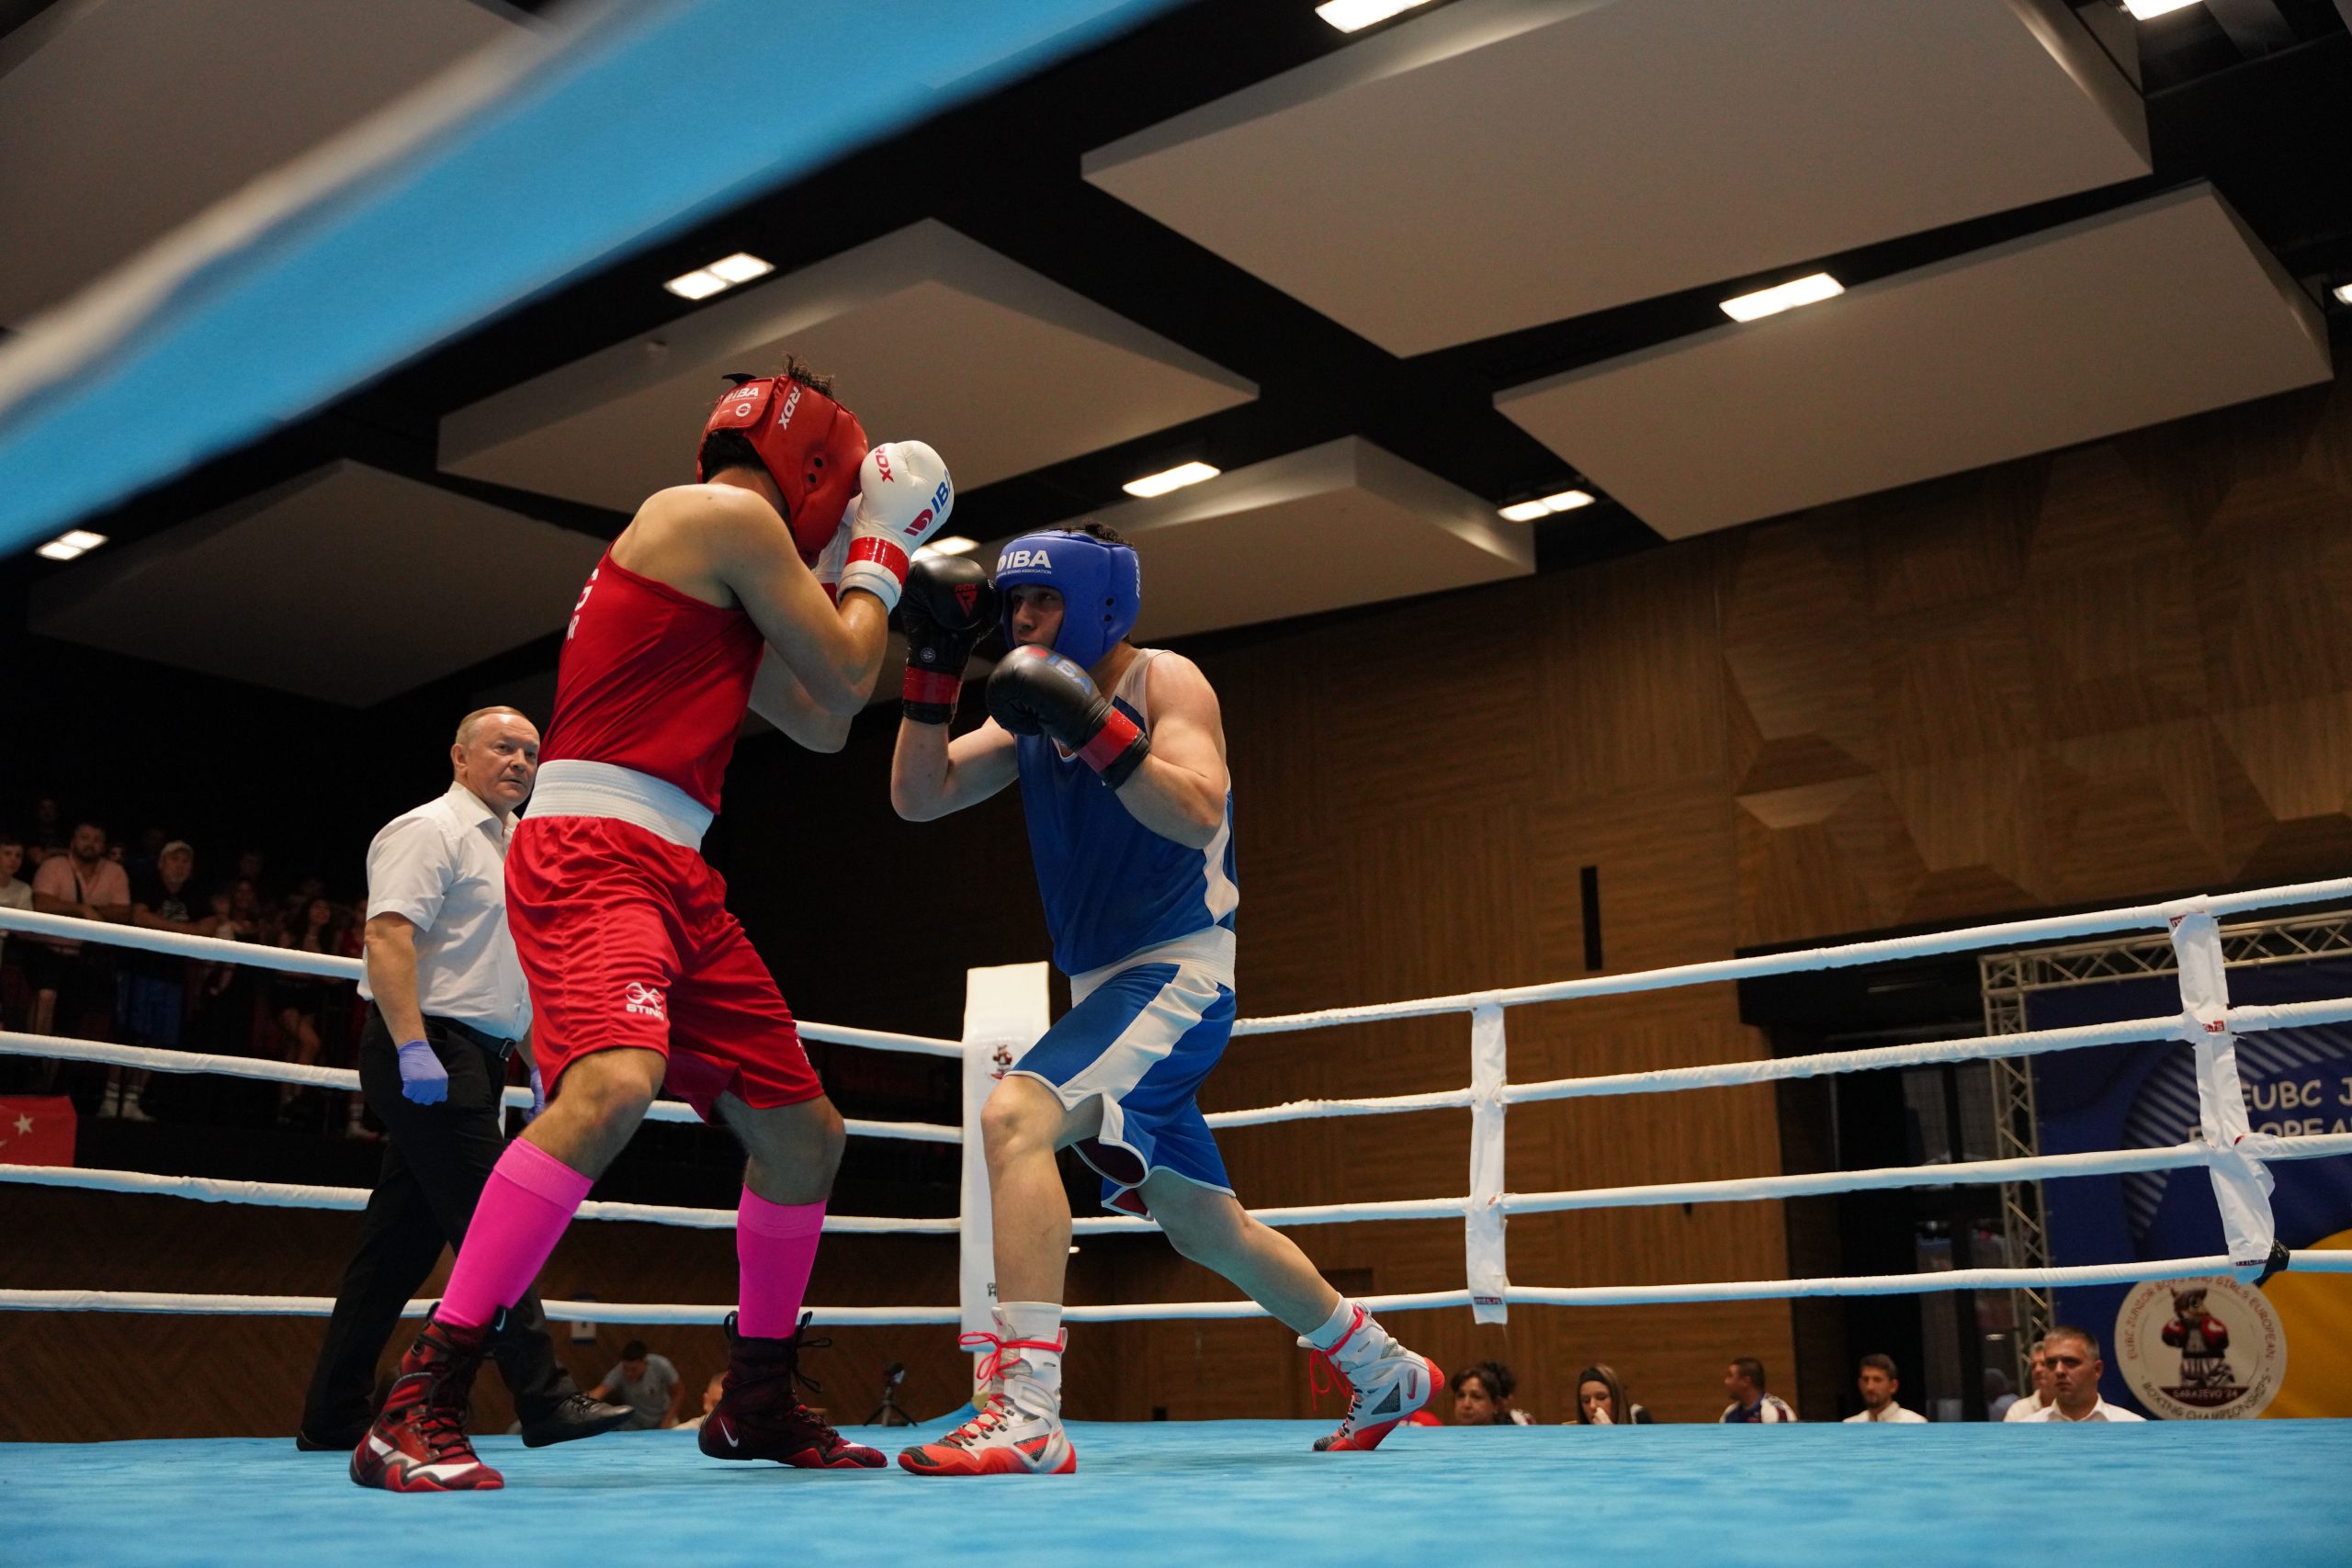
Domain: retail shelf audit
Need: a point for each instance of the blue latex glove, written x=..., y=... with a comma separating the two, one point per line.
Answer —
x=424, y=1080
x=538, y=1096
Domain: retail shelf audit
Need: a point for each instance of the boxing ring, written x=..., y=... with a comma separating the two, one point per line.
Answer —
x=417, y=224
x=1513, y=1479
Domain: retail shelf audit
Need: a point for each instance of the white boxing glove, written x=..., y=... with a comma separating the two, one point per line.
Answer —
x=827, y=565
x=903, y=496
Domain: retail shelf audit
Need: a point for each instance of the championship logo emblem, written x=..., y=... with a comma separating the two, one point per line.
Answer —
x=2202, y=1350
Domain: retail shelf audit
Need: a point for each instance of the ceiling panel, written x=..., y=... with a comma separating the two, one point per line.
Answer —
x=931, y=335
x=1500, y=164
x=1234, y=551
x=121, y=118
x=2152, y=312
x=348, y=584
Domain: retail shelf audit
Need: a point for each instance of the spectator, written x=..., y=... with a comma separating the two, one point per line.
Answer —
x=249, y=869
x=141, y=864
x=1878, y=1383
x=2033, y=1403
x=224, y=1007
x=710, y=1397
x=1601, y=1402
x=1481, y=1397
x=48, y=837
x=298, y=1001
x=1998, y=1395
x=647, y=1383
x=15, y=892
x=1744, y=1380
x=152, y=998
x=67, y=980
x=2075, y=1371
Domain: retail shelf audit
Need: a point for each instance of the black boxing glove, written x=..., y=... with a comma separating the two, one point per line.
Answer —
x=949, y=606
x=1035, y=691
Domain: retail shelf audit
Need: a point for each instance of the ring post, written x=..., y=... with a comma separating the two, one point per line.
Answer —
x=1482, y=1221
x=1005, y=1010
x=2241, y=1183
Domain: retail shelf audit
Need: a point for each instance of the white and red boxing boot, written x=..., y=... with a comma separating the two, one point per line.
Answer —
x=1387, y=1385
x=418, y=1442
x=1018, y=1430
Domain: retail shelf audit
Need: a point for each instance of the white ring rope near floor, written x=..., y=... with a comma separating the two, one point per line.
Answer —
x=997, y=1029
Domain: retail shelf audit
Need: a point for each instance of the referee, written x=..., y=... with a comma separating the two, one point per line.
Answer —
x=449, y=1008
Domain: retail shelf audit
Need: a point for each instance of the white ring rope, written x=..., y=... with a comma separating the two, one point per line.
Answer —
x=153, y=1060
x=2301, y=1262
x=2188, y=1024
x=1847, y=955
x=215, y=949
x=1727, y=1074
x=290, y=1195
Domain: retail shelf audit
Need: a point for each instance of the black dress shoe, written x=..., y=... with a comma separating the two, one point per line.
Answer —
x=337, y=1443
x=577, y=1417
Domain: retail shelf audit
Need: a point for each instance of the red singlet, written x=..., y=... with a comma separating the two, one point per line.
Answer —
x=653, y=679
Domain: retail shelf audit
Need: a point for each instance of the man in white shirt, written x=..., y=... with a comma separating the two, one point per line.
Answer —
x=2035, y=1402
x=1878, y=1383
x=2075, y=1371
x=449, y=1008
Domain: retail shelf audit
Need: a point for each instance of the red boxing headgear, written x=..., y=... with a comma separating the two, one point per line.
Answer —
x=810, y=445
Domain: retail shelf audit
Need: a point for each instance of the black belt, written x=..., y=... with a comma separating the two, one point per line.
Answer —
x=496, y=1046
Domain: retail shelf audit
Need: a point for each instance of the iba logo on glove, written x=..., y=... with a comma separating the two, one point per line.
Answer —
x=938, y=506
x=643, y=1000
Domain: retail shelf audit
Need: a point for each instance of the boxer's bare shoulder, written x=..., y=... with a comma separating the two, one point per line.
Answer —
x=686, y=536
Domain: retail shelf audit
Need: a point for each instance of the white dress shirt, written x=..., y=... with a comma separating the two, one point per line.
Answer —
x=442, y=867
x=2026, y=1409
x=1894, y=1412
x=2102, y=1412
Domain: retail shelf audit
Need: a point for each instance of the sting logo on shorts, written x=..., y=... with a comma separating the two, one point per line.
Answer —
x=643, y=1000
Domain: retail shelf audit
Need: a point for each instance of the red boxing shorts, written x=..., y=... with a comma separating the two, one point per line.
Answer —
x=627, y=944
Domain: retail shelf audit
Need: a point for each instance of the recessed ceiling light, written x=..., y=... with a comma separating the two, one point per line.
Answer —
x=2143, y=9
x=699, y=283
x=1351, y=16
x=1783, y=297
x=953, y=544
x=1171, y=479
x=1529, y=511
x=72, y=542
x=2344, y=293
x=741, y=267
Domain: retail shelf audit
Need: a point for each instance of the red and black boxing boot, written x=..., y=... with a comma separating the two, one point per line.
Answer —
x=418, y=1443
x=759, y=1416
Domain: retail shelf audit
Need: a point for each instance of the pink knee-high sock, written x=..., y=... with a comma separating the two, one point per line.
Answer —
x=775, y=1245
x=528, y=1199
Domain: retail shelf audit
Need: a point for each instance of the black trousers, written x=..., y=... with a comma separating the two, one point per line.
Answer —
x=435, y=1160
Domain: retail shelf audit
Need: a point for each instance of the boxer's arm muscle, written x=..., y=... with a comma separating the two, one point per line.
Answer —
x=778, y=696
x=932, y=776
x=1179, y=792
x=833, y=651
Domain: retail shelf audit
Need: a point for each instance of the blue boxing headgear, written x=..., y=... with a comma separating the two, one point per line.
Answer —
x=1100, y=585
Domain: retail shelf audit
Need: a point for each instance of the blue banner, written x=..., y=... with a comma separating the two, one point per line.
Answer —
x=2298, y=1082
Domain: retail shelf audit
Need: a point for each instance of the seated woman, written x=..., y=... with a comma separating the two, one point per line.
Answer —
x=1481, y=1397
x=1601, y=1402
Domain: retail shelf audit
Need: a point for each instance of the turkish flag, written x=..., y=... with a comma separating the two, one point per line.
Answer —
x=37, y=1130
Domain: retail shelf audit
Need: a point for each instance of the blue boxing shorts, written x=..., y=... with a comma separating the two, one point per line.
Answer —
x=1140, y=1036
